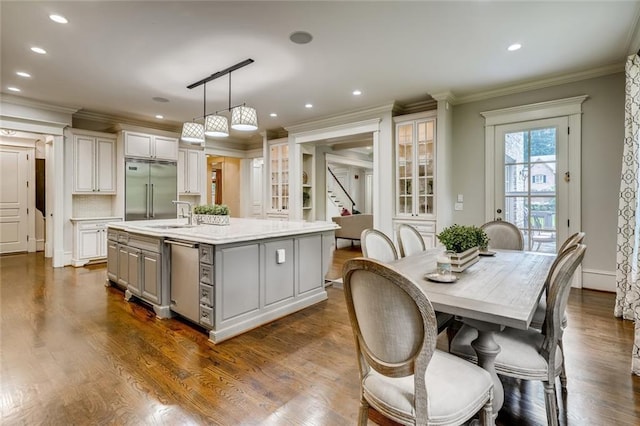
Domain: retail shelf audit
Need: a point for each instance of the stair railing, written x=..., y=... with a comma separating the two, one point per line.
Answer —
x=353, y=203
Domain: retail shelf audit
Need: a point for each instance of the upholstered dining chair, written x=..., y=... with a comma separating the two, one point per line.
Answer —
x=533, y=354
x=376, y=245
x=541, y=311
x=503, y=235
x=409, y=240
x=402, y=374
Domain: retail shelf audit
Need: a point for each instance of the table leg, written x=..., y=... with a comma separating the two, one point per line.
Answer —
x=487, y=349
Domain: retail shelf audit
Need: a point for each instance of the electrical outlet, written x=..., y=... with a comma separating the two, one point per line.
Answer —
x=458, y=206
x=280, y=256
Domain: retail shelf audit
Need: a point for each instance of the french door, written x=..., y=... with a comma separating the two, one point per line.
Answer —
x=531, y=180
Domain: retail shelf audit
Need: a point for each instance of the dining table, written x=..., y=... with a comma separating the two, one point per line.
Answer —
x=501, y=290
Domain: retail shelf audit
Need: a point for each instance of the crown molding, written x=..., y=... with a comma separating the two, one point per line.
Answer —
x=32, y=103
x=537, y=111
x=540, y=84
x=341, y=119
x=115, y=120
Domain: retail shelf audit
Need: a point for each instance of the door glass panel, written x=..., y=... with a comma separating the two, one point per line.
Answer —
x=405, y=169
x=530, y=182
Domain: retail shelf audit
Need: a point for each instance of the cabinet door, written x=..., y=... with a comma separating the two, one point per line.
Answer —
x=84, y=162
x=194, y=170
x=165, y=148
x=152, y=276
x=182, y=171
x=104, y=241
x=112, y=261
x=404, y=169
x=137, y=145
x=123, y=265
x=89, y=243
x=133, y=264
x=105, y=161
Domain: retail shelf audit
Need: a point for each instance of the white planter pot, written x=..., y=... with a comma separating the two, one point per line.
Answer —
x=211, y=219
x=461, y=261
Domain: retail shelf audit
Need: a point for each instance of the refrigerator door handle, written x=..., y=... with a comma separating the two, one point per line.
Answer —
x=146, y=197
x=151, y=203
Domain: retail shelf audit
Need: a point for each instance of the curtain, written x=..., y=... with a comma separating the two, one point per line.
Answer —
x=628, y=250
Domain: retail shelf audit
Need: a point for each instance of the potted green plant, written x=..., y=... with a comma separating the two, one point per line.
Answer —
x=461, y=243
x=481, y=238
x=212, y=214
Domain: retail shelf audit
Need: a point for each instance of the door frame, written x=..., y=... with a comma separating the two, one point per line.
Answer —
x=567, y=107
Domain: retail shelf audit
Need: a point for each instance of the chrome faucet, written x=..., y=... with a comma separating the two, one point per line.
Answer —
x=189, y=215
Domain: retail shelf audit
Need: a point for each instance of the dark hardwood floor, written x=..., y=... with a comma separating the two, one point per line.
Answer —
x=72, y=351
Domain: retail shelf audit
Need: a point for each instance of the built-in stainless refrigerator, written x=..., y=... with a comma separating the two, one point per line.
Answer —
x=150, y=186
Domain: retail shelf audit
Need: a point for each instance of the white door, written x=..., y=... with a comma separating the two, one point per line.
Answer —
x=531, y=180
x=13, y=199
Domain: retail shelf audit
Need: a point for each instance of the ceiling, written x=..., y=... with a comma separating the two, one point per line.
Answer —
x=113, y=57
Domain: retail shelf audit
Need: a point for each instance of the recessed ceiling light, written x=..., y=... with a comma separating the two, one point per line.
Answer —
x=514, y=46
x=357, y=93
x=39, y=50
x=160, y=99
x=273, y=114
x=58, y=18
x=23, y=74
x=159, y=117
x=300, y=37
x=13, y=89
x=308, y=105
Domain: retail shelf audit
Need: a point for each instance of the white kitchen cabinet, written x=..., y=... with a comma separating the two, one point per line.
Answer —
x=94, y=165
x=416, y=186
x=143, y=145
x=190, y=171
x=279, y=178
x=90, y=240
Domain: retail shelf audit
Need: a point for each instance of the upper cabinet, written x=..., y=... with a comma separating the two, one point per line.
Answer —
x=142, y=145
x=279, y=175
x=191, y=167
x=94, y=162
x=416, y=186
x=415, y=166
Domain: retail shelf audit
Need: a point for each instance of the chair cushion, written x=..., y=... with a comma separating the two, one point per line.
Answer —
x=456, y=390
x=519, y=355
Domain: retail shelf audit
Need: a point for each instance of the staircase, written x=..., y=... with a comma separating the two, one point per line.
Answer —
x=338, y=196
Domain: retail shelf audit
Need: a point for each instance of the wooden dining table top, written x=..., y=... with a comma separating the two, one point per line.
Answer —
x=503, y=289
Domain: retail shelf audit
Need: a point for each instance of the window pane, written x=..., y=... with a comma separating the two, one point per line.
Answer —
x=515, y=211
x=516, y=147
x=516, y=179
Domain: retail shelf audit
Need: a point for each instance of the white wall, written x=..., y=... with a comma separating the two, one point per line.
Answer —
x=602, y=141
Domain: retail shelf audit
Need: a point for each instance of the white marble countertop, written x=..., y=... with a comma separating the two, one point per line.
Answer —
x=239, y=229
x=96, y=219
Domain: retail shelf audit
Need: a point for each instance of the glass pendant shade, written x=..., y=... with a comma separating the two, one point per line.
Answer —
x=216, y=126
x=244, y=118
x=193, y=132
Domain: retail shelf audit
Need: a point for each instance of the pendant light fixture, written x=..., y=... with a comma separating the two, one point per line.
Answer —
x=243, y=118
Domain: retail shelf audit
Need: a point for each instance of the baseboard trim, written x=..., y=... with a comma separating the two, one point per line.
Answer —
x=596, y=279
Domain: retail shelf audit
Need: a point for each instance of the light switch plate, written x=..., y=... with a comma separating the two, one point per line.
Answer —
x=458, y=206
x=280, y=256
x=460, y=198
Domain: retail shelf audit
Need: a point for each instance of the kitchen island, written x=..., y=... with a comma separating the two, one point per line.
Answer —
x=227, y=279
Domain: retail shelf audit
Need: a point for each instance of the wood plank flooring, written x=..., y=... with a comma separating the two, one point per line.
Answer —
x=72, y=351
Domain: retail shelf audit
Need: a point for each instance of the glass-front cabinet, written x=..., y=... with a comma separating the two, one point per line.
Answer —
x=415, y=154
x=279, y=177
x=415, y=167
